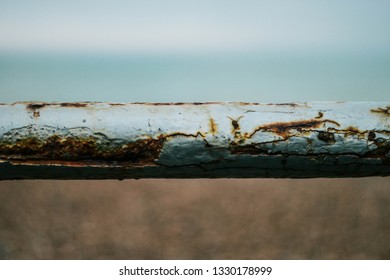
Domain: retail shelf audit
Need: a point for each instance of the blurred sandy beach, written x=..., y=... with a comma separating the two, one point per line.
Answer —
x=196, y=219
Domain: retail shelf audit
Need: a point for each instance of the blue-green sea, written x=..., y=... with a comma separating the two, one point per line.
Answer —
x=255, y=77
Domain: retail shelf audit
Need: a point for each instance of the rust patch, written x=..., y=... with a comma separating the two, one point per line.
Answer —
x=35, y=106
x=141, y=151
x=236, y=129
x=327, y=137
x=56, y=148
x=235, y=124
x=291, y=104
x=245, y=149
x=371, y=136
x=175, y=103
x=73, y=104
x=247, y=103
x=354, y=130
x=195, y=103
x=175, y=134
x=284, y=104
x=163, y=103
x=320, y=115
x=381, y=152
x=283, y=128
x=213, y=126
x=385, y=111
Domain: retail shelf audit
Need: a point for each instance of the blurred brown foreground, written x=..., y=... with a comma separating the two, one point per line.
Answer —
x=196, y=219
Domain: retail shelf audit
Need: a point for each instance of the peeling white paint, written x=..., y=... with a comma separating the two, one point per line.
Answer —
x=327, y=139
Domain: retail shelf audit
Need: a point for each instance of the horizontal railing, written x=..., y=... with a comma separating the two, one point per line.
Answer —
x=194, y=140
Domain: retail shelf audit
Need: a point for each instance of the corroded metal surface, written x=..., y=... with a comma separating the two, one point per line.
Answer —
x=194, y=140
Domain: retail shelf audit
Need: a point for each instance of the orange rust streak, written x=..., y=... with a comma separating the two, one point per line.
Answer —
x=180, y=134
x=354, y=130
x=36, y=114
x=320, y=115
x=289, y=104
x=283, y=128
x=385, y=111
x=195, y=103
x=213, y=126
x=175, y=103
x=73, y=104
x=35, y=106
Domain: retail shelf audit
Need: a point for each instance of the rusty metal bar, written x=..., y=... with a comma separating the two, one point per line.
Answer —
x=193, y=140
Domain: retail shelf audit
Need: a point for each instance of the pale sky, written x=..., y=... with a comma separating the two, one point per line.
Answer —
x=199, y=25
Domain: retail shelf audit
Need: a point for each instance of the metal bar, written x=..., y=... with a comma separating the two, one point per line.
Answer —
x=193, y=140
